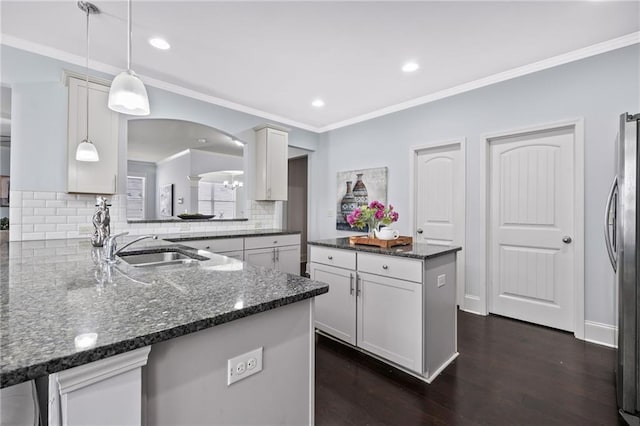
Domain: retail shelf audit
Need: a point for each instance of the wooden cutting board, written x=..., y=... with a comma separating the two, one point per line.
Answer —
x=364, y=240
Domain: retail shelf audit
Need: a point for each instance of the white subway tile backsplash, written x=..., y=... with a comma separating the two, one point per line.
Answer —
x=33, y=203
x=78, y=219
x=56, y=203
x=33, y=219
x=66, y=211
x=15, y=215
x=76, y=204
x=56, y=219
x=44, y=211
x=44, y=195
x=16, y=197
x=73, y=212
x=44, y=227
x=26, y=236
x=55, y=235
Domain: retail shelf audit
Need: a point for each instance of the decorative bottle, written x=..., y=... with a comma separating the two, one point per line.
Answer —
x=360, y=191
x=348, y=203
x=101, y=220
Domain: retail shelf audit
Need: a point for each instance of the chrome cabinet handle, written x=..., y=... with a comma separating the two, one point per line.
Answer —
x=607, y=217
x=351, y=284
x=358, y=289
x=275, y=242
x=419, y=231
x=277, y=254
x=566, y=239
x=207, y=247
x=330, y=257
x=385, y=267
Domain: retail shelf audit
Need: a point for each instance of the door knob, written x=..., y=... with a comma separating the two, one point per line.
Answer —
x=419, y=231
x=566, y=239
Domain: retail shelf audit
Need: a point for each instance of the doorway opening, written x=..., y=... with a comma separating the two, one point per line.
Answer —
x=295, y=212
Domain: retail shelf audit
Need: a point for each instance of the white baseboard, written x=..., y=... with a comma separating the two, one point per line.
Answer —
x=601, y=334
x=473, y=304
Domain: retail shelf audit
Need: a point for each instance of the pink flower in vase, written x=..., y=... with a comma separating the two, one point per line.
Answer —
x=379, y=214
x=394, y=216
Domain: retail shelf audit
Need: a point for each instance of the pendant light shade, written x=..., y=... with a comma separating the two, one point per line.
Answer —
x=128, y=94
x=87, y=151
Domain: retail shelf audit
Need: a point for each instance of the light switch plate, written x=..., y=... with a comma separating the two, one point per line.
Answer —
x=442, y=279
x=243, y=366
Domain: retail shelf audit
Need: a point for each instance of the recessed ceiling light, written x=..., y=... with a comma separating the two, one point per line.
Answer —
x=318, y=103
x=159, y=43
x=410, y=67
x=202, y=140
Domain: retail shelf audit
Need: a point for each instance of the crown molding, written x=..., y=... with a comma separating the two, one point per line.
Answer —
x=554, y=61
x=51, y=52
x=576, y=55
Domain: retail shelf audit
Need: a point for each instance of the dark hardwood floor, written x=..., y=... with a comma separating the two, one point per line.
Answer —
x=508, y=373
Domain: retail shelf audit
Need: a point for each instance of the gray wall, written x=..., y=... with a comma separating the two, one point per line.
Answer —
x=147, y=170
x=598, y=89
x=39, y=119
x=175, y=171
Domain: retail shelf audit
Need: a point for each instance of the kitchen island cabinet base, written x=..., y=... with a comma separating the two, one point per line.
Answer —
x=185, y=380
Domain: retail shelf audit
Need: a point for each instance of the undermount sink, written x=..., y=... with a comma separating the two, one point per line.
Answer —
x=160, y=258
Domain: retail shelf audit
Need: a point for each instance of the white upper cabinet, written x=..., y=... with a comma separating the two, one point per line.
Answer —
x=92, y=177
x=271, y=162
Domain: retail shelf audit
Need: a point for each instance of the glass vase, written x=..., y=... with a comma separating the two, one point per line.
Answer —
x=372, y=227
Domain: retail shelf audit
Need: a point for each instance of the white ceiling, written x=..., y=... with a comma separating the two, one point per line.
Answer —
x=156, y=139
x=277, y=57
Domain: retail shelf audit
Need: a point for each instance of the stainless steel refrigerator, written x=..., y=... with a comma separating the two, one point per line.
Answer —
x=621, y=235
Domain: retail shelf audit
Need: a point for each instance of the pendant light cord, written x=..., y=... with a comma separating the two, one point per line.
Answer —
x=87, y=74
x=129, y=35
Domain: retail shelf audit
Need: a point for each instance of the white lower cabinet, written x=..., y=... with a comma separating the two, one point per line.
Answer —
x=335, y=311
x=261, y=257
x=389, y=306
x=390, y=319
x=280, y=252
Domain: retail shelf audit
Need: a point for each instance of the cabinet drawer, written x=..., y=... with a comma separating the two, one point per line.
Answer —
x=389, y=266
x=271, y=241
x=334, y=257
x=216, y=245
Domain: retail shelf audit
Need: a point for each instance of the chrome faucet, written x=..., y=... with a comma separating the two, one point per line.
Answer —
x=111, y=245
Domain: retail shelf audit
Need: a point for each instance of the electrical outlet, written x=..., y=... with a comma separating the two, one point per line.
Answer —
x=442, y=279
x=244, y=365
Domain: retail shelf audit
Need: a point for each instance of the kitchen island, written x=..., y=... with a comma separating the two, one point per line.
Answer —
x=63, y=308
x=396, y=304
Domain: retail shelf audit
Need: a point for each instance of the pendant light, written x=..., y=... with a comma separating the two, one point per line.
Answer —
x=128, y=94
x=86, y=150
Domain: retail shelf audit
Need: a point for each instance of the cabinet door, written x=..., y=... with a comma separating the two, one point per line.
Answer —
x=335, y=312
x=261, y=257
x=277, y=165
x=271, y=164
x=390, y=319
x=92, y=177
x=288, y=259
x=234, y=254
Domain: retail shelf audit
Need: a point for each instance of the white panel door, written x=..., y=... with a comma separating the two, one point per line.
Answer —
x=440, y=202
x=335, y=311
x=531, y=258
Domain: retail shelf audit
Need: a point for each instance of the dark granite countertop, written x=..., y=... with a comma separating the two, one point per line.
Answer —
x=415, y=251
x=190, y=236
x=55, y=294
